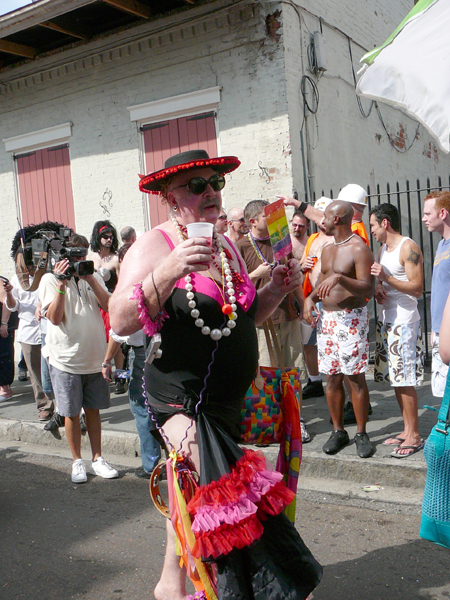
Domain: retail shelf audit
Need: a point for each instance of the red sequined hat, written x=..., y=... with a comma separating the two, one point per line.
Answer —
x=191, y=159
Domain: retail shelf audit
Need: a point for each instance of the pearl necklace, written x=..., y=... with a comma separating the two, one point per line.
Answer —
x=339, y=243
x=227, y=309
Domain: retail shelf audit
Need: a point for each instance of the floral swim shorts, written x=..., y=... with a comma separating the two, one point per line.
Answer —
x=343, y=341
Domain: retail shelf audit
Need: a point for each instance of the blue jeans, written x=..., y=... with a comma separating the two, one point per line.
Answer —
x=45, y=373
x=150, y=448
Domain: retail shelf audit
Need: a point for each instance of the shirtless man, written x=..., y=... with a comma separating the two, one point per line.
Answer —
x=104, y=245
x=311, y=268
x=345, y=286
x=237, y=227
x=299, y=235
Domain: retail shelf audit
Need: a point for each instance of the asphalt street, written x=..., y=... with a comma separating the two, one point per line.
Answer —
x=104, y=540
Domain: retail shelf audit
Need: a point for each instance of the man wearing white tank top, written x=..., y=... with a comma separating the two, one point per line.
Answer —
x=399, y=350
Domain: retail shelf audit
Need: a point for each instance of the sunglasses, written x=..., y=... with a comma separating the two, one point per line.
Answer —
x=107, y=236
x=241, y=220
x=222, y=217
x=197, y=185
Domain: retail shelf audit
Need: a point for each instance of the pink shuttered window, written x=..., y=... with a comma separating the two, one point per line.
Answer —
x=162, y=140
x=45, y=186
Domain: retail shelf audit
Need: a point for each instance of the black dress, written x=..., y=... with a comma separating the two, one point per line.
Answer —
x=260, y=554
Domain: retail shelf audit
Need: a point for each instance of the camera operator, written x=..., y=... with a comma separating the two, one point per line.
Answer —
x=75, y=346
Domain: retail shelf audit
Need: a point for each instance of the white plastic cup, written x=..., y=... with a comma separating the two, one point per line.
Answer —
x=204, y=230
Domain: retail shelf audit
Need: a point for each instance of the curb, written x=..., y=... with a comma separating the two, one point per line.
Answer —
x=113, y=442
x=315, y=465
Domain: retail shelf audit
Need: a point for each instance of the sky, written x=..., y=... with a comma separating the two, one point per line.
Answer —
x=7, y=6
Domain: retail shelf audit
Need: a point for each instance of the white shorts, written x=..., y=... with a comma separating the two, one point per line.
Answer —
x=343, y=342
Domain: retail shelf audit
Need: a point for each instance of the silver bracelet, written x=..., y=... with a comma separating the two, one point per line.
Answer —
x=277, y=295
x=106, y=365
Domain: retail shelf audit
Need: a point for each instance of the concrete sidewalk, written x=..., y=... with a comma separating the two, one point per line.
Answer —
x=18, y=422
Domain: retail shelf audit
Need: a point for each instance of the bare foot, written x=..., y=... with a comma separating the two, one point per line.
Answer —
x=394, y=441
x=409, y=446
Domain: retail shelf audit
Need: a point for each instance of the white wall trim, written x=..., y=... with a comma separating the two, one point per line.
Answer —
x=51, y=136
x=176, y=106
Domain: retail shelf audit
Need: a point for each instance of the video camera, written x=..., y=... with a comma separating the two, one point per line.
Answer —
x=49, y=247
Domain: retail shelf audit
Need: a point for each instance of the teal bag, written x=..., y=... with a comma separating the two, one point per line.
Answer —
x=435, y=524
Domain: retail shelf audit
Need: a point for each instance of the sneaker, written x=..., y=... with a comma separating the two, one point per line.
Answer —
x=313, y=389
x=305, y=435
x=23, y=376
x=83, y=422
x=55, y=422
x=337, y=440
x=103, y=469
x=364, y=446
x=121, y=387
x=142, y=473
x=79, y=471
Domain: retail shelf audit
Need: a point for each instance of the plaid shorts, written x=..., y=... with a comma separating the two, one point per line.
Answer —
x=343, y=342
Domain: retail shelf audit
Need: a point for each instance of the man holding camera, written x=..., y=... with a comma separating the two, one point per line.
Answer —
x=75, y=346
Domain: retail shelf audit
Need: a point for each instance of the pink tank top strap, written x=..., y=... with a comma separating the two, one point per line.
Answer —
x=167, y=238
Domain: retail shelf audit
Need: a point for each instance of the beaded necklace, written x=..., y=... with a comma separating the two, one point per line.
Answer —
x=226, y=274
x=340, y=243
x=259, y=253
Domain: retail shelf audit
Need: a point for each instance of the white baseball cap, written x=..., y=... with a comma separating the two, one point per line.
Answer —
x=322, y=202
x=354, y=194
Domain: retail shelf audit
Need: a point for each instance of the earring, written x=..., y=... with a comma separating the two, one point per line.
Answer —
x=175, y=207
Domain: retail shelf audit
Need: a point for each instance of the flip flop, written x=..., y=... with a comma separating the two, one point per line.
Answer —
x=398, y=441
x=414, y=449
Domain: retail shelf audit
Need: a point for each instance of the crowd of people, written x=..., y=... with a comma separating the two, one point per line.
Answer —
x=208, y=299
x=68, y=349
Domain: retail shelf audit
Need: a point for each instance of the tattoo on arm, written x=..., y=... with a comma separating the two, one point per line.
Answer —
x=414, y=257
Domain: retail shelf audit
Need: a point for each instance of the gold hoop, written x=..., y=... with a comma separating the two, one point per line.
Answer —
x=159, y=473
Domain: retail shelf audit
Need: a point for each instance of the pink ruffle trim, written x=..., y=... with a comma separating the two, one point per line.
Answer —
x=227, y=513
x=210, y=517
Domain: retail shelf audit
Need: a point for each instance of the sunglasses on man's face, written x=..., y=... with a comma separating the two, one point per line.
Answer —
x=107, y=237
x=197, y=185
x=222, y=217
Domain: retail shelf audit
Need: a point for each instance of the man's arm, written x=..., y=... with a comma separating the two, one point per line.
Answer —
x=380, y=291
x=412, y=259
x=313, y=214
x=111, y=351
x=100, y=292
x=11, y=303
x=261, y=272
x=364, y=284
x=55, y=310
